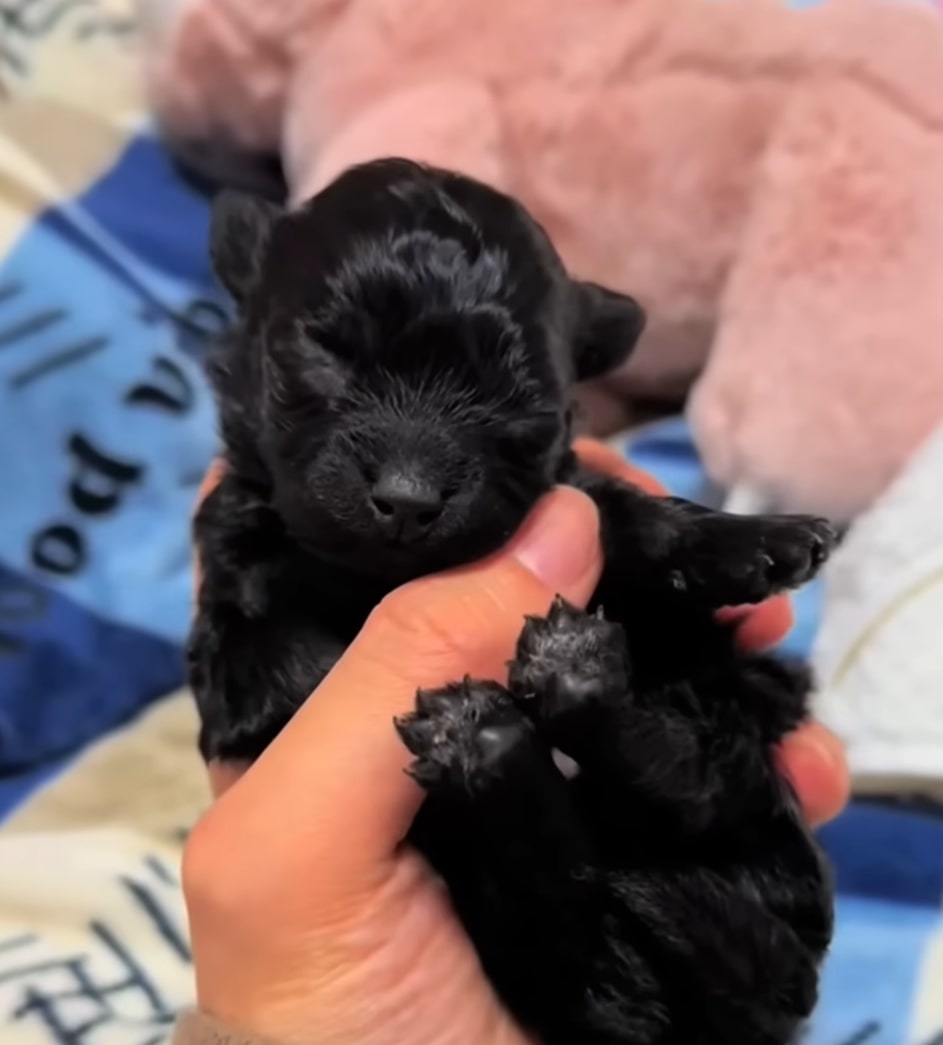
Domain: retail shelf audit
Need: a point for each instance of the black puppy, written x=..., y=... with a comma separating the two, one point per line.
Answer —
x=394, y=398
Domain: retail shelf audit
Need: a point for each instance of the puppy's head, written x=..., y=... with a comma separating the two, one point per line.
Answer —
x=400, y=375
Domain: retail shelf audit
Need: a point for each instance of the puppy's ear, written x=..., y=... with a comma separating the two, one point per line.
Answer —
x=240, y=227
x=607, y=329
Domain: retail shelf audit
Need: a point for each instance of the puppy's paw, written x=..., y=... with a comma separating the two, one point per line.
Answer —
x=731, y=560
x=466, y=737
x=568, y=661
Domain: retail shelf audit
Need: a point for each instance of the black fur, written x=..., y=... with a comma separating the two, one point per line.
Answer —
x=393, y=400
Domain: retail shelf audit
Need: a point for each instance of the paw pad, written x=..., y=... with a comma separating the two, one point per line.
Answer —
x=567, y=659
x=463, y=735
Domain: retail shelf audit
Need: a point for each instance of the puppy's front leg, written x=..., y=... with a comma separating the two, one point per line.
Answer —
x=259, y=644
x=657, y=544
x=642, y=770
x=250, y=676
x=499, y=826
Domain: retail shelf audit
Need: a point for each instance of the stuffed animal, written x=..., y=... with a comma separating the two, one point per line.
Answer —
x=764, y=174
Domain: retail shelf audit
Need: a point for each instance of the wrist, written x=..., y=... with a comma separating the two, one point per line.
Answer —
x=197, y=1028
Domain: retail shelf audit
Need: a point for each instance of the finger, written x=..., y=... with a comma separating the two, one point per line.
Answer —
x=814, y=761
x=763, y=626
x=600, y=458
x=210, y=481
x=331, y=790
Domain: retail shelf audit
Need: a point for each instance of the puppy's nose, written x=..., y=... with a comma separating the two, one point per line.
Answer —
x=405, y=503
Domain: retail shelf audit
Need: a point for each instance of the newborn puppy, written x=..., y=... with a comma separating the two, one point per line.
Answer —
x=394, y=398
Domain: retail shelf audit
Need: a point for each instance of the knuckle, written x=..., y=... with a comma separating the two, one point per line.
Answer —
x=405, y=616
x=210, y=882
x=198, y=865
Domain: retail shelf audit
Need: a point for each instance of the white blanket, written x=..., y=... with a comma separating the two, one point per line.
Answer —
x=93, y=942
x=879, y=652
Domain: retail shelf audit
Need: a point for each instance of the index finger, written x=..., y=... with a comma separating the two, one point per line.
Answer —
x=601, y=458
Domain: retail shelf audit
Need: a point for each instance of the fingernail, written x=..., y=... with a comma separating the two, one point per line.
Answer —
x=559, y=542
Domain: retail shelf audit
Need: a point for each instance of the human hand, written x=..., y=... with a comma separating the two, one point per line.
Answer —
x=310, y=921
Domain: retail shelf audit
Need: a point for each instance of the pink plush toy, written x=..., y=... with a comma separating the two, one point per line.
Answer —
x=765, y=175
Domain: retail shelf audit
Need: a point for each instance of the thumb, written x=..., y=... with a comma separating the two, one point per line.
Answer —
x=332, y=790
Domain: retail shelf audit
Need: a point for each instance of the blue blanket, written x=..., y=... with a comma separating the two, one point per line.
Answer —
x=106, y=426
